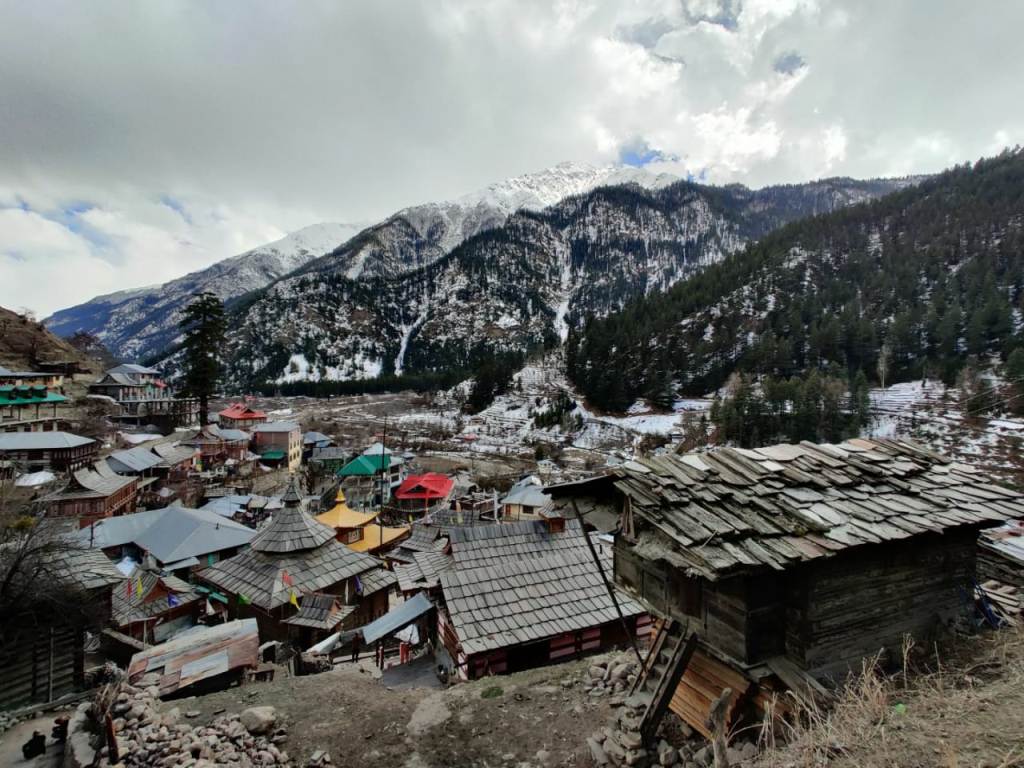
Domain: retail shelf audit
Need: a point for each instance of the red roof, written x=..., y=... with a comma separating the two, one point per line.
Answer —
x=429, y=486
x=241, y=411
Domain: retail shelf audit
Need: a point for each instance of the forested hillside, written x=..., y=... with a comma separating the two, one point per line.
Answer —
x=914, y=282
x=511, y=289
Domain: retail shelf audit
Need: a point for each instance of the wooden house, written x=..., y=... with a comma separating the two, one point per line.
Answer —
x=794, y=562
x=525, y=500
x=43, y=664
x=418, y=495
x=29, y=408
x=144, y=398
x=521, y=595
x=54, y=451
x=151, y=606
x=218, y=446
x=240, y=416
x=178, y=539
x=94, y=493
x=293, y=556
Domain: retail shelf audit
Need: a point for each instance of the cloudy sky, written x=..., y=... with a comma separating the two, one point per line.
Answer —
x=143, y=140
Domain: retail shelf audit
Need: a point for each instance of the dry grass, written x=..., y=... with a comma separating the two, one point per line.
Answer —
x=958, y=708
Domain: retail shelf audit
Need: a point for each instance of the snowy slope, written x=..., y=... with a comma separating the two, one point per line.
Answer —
x=136, y=323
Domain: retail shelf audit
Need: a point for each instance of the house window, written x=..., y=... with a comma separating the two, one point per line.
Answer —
x=351, y=537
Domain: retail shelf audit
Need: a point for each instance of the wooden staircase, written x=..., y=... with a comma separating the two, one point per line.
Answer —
x=664, y=667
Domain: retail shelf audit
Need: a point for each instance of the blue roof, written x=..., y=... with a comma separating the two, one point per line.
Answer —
x=395, y=619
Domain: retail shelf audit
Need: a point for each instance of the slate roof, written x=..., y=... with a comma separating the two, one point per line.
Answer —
x=520, y=601
x=41, y=441
x=320, y=611
x=735, y=510
x=89, y=568
x=173, y=454
x=376, y=580
x=258, y=575
x=129, y=607
x=291, y=530
x=169, y=534
x=508, y=542
x=424, y=572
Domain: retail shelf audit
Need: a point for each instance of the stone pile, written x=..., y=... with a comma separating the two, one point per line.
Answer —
x=7, y=721
x=149, y=738
x=620, y=744
x=610, y=678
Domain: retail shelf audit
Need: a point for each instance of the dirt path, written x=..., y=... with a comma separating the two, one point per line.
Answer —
x=12, y=740
x=363, y=724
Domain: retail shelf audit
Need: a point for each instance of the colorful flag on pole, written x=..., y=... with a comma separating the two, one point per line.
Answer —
x=359, y=586
x=287, y=579
x=138, y=586
x=243, y=599
x=128, y=589
x=172, y=600
x=293, y=599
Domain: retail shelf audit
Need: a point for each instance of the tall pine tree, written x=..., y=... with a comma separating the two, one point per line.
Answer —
x=203, y=324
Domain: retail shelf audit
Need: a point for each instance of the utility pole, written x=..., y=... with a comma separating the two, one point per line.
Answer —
x=384, y=477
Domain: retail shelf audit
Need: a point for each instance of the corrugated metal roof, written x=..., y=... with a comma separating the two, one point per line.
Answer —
x=170, y=534
x=133, y=460
x=41, y=441
x=277, y=426
x=395, y=619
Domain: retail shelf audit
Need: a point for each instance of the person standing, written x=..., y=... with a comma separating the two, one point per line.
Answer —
x=357, y=643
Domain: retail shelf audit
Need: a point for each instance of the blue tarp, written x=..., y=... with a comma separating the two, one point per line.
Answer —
x=394, y=620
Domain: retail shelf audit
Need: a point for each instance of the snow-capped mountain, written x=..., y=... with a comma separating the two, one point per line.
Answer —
x=136, y=323
x=139, y=323
x=391, y=300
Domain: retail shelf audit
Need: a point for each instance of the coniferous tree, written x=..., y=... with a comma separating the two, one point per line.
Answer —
x=203, y=326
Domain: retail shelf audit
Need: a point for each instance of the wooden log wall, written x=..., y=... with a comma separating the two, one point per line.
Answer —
x=847, y=608
x=41, y=668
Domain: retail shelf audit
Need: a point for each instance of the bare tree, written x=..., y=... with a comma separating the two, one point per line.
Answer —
x=884, y=359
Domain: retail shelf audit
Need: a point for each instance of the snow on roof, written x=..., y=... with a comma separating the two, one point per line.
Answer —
x=133, y=368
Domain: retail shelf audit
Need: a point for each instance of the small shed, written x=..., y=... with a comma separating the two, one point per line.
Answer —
x=794, y=562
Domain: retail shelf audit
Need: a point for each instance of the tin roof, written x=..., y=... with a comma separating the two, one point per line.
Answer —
x=41, y=441
x=431, y=485
x=198, y=654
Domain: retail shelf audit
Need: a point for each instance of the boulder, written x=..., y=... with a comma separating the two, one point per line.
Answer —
x=259, y=720
x=597, y=752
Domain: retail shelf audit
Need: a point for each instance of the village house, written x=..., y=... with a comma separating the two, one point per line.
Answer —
x=361, y=531
x=29, y=408
x=53, y=451
x=292, y=556
x=46, y=379
x=178, y=539
x=330, y=459
x=41, y=666
x=151, y=606
x=143, y=398
x=240, y=416
x=791, y=563
x=418, y=495
x=93, y=493
x=315, y=441
x=156, y=468
x=219, y=446
x=371, y=478
x=278, y=443
x=525, y=500
x=520, y=595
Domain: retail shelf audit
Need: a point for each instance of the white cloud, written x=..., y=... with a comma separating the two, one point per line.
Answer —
x=255, y=117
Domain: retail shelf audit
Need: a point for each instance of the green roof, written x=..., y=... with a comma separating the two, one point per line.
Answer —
x=22, y=396
x=272, y=454
x=365, y=465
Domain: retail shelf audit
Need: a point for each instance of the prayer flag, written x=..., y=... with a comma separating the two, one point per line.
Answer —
x=359, y=586
x=294, y=600
x=243, y=600
x=138, y=586
x=172, y=600
x=286, y=578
